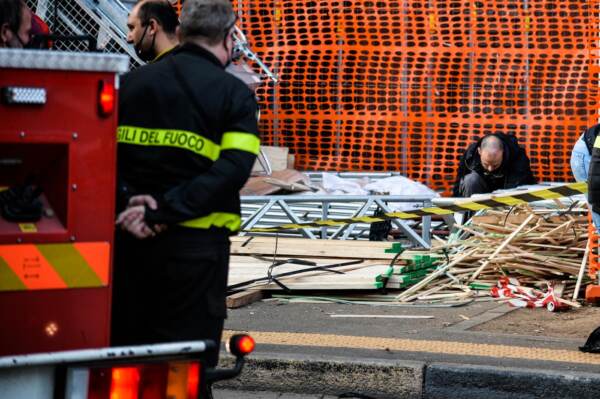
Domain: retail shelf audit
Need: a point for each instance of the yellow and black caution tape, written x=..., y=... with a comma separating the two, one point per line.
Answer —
x=488, y=202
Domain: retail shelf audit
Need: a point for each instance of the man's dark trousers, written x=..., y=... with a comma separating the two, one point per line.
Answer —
x=473, y=183
x=170, y=288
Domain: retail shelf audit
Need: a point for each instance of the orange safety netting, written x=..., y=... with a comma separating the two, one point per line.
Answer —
x=406, y=85
x=177, y=5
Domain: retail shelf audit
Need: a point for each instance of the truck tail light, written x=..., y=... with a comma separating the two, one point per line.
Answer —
x=172, y=380
x=240, y=345
x=106, y=98
x=124, y=383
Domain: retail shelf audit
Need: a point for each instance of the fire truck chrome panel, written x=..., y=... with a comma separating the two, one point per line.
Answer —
x=63, y=60
x=113, y=353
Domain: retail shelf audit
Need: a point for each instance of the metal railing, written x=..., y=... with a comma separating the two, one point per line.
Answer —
x=273, y=210
x=104, y=20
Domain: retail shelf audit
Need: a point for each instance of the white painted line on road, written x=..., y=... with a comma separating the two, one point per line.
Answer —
x=381, y=316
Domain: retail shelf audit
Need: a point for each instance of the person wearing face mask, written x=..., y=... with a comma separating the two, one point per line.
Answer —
x=152, y=26
x=495, y=161
x=15, y=24
x=187, y=140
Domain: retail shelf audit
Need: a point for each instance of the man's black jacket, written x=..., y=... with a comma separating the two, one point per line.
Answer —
x=187, y=136
x=514, y=171
x=590, y=137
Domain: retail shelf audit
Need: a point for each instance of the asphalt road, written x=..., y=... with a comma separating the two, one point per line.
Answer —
x=388, y=332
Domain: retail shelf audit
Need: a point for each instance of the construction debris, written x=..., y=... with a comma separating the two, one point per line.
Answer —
x=527, y=257
x=536, y=246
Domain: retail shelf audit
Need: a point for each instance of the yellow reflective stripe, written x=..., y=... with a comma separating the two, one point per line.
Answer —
x=328, y=222
x=437, y=211
x=367, y=219
x=230, y=221
x=509, y=200
x=169, y=138
x=403, y=215
x=597, y=142
x=472, y=206
x=240, y=141
x=546, y=194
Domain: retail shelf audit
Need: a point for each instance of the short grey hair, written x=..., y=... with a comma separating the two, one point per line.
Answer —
x=209, y=19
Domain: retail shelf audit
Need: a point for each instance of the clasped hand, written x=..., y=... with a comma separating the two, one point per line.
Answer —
x=132, y=218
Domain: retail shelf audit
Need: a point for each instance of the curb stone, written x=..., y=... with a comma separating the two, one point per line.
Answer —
x=398, y=379
x=450, y=381
x=382, y=379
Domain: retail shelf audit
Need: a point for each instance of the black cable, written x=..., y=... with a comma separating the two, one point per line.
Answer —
x=445, y=252
x=391, y=265
x=508, y=214
x=569, y=210
x=274, y=263
x=309, y=269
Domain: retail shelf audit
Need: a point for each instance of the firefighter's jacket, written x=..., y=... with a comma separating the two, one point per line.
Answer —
x=187, y=136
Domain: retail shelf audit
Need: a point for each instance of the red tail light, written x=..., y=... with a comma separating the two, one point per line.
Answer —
x=125, y=383
x=241, y=345
x=173, y=380
x=193, y=380
x=106, y=98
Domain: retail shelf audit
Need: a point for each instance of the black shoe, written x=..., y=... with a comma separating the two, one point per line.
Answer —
x=592, y=345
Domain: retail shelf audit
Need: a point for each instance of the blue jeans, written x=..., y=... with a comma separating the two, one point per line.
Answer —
x=580, y=166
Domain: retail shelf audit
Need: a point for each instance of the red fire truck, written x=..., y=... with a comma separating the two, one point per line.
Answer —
x=57, y=183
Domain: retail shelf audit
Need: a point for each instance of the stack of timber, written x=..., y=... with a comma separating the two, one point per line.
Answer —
x=411, y=272
x=297, y=264
x=535, y=246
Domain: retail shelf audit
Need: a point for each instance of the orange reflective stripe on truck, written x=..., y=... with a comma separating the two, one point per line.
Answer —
x=97, y=255
x=54, y=266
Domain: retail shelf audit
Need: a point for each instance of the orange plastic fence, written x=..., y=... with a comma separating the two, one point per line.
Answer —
x=407, y=85
x=177, y=5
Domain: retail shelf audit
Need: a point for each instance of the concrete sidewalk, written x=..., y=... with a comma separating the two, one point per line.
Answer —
x=302, y=349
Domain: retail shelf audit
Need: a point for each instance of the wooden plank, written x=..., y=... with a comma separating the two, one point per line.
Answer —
x=243, y=298
x=304, y=247
x=277, y=157
x=258, y=185
x=581, y=270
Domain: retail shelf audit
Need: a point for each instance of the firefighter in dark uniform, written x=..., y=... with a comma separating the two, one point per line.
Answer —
x=188, y=138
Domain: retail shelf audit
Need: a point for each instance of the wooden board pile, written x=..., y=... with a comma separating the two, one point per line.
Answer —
x=411, y=272
x=535, y=246
x=538, y=248
x=297, y=264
